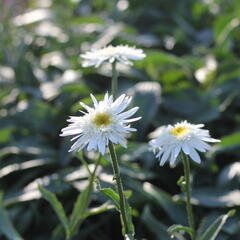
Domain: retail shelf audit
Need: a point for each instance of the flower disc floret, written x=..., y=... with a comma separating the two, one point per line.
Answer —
x=186, y=137
x=179, y=131
x=121, y=53
x=105, y=121
x=102, y=119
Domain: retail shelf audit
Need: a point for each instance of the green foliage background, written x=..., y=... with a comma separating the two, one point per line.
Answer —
x=192, y=72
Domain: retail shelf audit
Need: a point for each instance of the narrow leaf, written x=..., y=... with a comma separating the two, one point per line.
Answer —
x=213, y=230
x=6, y=227
x=177, y=228
x=175, y=209
x=80, y=208
x=156, y=227
x=57, y=206
x=116, y=200
x=100, y=209
x=112, y=195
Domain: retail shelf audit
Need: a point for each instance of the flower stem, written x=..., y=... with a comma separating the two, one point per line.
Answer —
x=186, y=165
x=115, y=166
x=114, y=79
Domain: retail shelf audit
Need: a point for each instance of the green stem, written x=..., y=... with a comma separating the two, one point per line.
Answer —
x=186, y=165
x=114, y=79
x=115, y=166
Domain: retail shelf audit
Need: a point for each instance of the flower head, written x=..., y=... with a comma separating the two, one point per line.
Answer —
x=184, y=137
x=102, y=123
x=121, y=53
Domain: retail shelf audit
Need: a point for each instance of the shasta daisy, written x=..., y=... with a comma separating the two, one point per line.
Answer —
x=184, y=137
x=121, y=53
x=105, y=121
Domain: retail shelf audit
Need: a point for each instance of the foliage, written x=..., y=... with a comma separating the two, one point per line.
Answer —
x=191, y=72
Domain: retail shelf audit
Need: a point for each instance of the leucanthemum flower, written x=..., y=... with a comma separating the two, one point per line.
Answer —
x=121, y=53
x=184, y=137
x=100, y=124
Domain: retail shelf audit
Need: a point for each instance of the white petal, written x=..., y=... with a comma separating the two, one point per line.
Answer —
x=70, y=132
x=128, y=113
x=176, y=151
x=195, y=143
x=172, y=158
x=101, y=145
x=79, y=144
x=185, y=148
x=120, y=104
x=165, y=156
x=208, y=139
x=92, y=145
x=95, y=102
x=131, y=119
x=194, y=155
x=89, y=109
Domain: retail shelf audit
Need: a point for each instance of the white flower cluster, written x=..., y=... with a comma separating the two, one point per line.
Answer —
x=106, y=120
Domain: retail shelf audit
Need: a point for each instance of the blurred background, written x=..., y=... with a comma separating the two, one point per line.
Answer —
x=192, y=72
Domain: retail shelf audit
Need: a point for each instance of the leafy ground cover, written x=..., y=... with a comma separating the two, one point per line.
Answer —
x=191, y=72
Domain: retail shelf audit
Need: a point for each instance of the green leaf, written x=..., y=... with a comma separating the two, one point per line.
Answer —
x=57, y=206
x=232, y=140
x=154, y=225
x=218, y=197
x=129, y=217
x=6, y=226
x=80, y=208
x=100, y=209
x=177, y=228
x=116, y=200
x=5, y=134
x=175, y=209
x=229, y=175
x=110, y=193
x=213, y=230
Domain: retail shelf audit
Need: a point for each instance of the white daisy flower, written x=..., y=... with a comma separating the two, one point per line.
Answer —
x=184, y=137
x=121, y=53
x=102, y=123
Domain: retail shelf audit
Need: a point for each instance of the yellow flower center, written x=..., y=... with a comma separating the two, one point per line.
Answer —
x=179, y=131
x=102, y=119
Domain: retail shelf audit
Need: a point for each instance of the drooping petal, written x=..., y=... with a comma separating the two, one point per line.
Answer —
x=194, y=155
x=165, y=156
x=185, y=148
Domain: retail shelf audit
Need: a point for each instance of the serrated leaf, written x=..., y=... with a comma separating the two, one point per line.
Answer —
x=6, y=226
x=213, y=230
x=57, y=206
